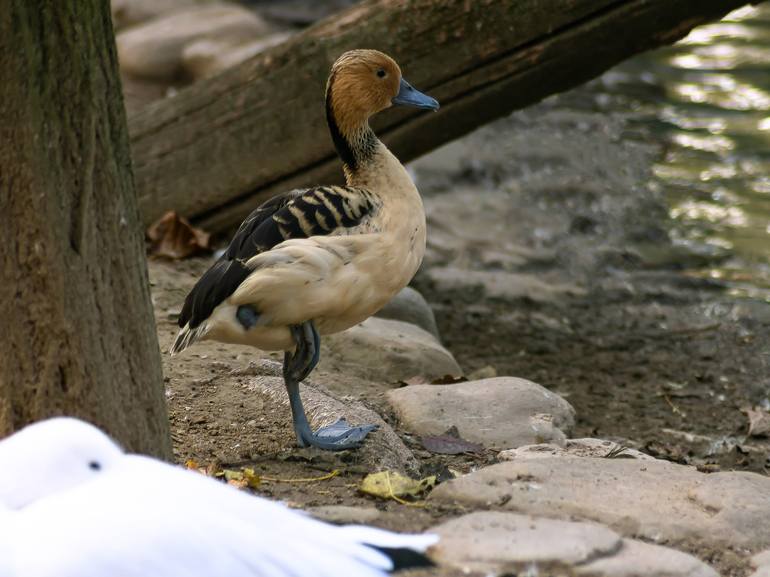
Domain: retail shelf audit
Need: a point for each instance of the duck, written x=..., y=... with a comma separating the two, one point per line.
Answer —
x=74, y=504
x=319, y=260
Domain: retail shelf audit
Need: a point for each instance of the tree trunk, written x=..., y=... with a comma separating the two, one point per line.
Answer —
x=219, y=148
x=78, y=334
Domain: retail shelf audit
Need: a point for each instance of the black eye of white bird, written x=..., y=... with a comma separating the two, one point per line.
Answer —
x=381, y=73
x=95, y=465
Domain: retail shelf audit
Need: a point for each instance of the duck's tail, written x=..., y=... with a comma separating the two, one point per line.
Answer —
x=188, y=336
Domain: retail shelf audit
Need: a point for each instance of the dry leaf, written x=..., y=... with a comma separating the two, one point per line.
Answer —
x=393, y=485
x=448, y=380
x=244, y=478
x=450, y=443
x=174, y=237
x=759, y=421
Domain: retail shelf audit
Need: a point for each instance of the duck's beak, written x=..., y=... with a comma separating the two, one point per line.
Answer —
x=408, y=96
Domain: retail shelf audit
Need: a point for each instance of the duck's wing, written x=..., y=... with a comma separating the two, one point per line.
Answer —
x=323, y=210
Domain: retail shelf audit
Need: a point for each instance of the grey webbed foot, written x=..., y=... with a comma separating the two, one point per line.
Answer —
x=337, y=436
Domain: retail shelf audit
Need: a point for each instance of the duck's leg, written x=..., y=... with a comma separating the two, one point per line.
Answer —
x=296, y=367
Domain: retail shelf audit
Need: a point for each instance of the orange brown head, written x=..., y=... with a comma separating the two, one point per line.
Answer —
x=364, y=82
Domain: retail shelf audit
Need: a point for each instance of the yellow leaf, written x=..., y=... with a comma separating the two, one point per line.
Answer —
x=393, y=485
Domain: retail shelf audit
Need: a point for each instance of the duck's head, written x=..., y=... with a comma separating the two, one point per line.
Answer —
x=45, y=458
x=364, y=82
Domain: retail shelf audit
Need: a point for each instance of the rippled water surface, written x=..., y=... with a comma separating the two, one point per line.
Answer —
x=708, y=99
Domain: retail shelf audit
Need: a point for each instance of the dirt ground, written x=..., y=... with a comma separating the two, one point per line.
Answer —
x=647, y=352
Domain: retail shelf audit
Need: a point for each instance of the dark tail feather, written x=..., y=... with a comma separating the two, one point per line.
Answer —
x=404, y=558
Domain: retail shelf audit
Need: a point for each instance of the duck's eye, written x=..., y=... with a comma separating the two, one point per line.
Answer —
x=95, y=465
x=381, y=73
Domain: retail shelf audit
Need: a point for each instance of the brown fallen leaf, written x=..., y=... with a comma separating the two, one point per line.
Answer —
x=422, y=380
x=172, y=236
x=450, y=443
x=759, y=421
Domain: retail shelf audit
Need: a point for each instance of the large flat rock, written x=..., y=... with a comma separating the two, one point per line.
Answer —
x=500, y=413
x=506, y=542
x=639, y=559
x=510, y=543
x=386, y=351
x=656, y=500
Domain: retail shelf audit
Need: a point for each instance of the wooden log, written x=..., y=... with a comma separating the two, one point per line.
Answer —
x=216, y=150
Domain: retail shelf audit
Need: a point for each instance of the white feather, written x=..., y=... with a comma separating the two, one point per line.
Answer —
x=139, y=517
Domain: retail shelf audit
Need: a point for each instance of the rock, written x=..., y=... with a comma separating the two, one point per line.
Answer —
x=153, y=50
x=386, y=351
x=501, y=284
x=500, y=413
x=653, y=499
x=247, y=414
x=382, y=450
x=761, y=562
x=506, y=543
x=129, y=12
x=639, y=559
x=207, y=57
x=576, y=448
x=411, y=307
x=345, y=514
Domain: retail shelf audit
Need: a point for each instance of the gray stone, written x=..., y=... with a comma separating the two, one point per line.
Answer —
x=129, y=12
x=576, y=448
x=208, y=57
x=411, y=307
x=153, y=50
x=386, y=351
x=500, y=413
x=639, y=559
x=502, y=284
x=761, y=558
x=345, y=514
x=382, y=450
x=507, y=542
x=654, y=499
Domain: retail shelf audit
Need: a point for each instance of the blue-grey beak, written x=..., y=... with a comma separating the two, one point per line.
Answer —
x=408, y=96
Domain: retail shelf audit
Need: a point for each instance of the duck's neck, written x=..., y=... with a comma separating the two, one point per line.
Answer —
x=355, y=141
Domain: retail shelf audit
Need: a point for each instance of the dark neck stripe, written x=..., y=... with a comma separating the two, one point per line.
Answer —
x=353, y=151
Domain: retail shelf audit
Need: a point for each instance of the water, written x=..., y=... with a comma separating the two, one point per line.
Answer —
x=708, y=99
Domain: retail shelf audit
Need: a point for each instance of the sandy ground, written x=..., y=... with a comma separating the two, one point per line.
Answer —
x=646, y=353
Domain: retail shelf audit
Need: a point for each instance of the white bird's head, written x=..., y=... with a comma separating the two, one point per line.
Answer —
x=51, y=456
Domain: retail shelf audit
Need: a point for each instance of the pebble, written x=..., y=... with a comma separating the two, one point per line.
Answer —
x=345, y=514
x=500, y=413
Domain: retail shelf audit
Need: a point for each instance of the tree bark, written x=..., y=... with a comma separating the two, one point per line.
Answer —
x=219, y=148
x=78, y=334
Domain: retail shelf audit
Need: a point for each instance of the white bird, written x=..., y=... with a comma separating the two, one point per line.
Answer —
x=73, y=504
x=320, y=260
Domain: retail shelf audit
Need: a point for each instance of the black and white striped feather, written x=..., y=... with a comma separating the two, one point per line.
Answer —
x=323, y=210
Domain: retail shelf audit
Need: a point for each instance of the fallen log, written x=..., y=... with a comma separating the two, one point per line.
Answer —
x=219, y=148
